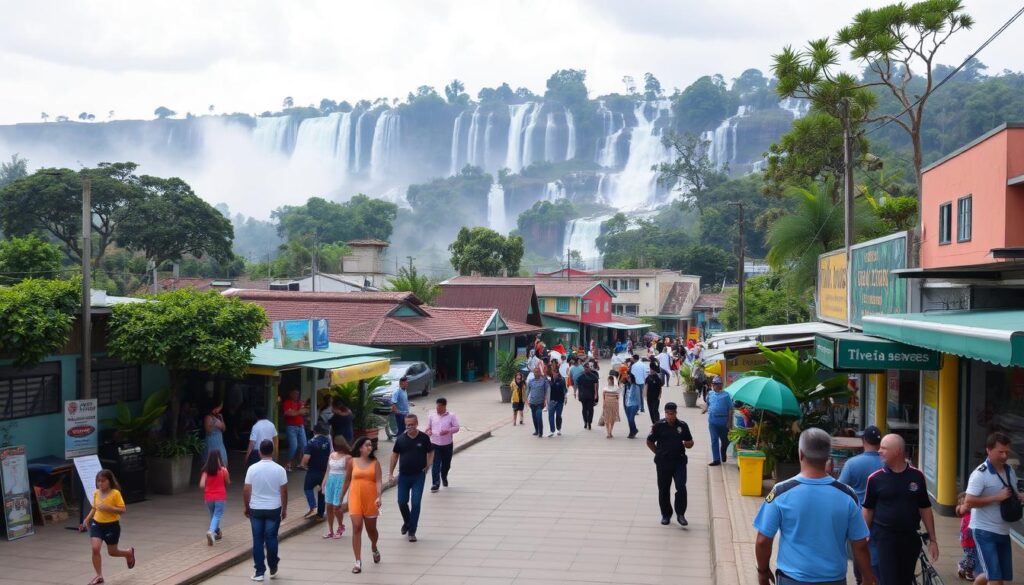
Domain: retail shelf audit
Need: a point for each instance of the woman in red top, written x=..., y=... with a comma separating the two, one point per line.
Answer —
x=295, y=426
x=214, y=483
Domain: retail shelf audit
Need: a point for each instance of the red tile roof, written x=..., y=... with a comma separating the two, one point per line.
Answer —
x=631, y=272
x=545, y=287
x=675, y=301
x=514, y=301
x=710, y=301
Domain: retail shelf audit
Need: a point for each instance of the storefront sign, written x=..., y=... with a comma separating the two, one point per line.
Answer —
x=80, y=434
x=360, y=371
x=871, y=402
x=302, y=334
x=854, y=352
x=741, y=364
x=875, y=290
x=930, y=429
x=831, y=288
x=16, y=491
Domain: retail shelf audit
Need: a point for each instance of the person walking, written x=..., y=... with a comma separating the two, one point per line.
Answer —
x=214, y=481
x=989, y=485
x=969, y=561
x=557, y=394
x=295, y=411
x=610, y=411
x=586, y=393
x=640, y=369
x=104, y=523
x=314, y=459
x=518, y=386
x=855, y=474
x=665, y=364
x=364, y=486
x=262, y=430
x=652, y=391
x=400, y=403
x=815, y=517
x=413, y=453
x=719, y=411
x=631, y=401
x=669, y=439
x=213, y=431
x=895, y=502
x=442, y=424
x=266, y=506
x=537, y=391
x=341, y=420
x=332, y=485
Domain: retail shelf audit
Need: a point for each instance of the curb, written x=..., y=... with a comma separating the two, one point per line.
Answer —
x=724, y=569
x=289, y=528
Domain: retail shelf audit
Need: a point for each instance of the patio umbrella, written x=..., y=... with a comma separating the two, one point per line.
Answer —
x=765, y=394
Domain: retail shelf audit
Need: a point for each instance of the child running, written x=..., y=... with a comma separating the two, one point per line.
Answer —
x=333, y=484
x=969, y=561
x=103, y=523
x=214, y=482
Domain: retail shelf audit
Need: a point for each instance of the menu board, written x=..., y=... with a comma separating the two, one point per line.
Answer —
x=17, y=492
x=930, y=429
x=87, y=467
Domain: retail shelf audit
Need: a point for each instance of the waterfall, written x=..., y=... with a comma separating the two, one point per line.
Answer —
x=488, y=159
x=384, y=150
x=472, y=139
x=797, y=107
x=342, y=149
x=550, y=136
x=271, y=133
x=614, y=125
x=454, y=168
x=581, y=235
x=531, y=124
x=357, y=165
x=517, y=117
x=318, y=139
x=570, y=149
x=496, y=209
x=554, y=191
x=724, y=143
x=637, y=185
x=600, y=195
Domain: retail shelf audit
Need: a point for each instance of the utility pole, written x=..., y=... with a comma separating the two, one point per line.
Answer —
x=847, y=197
x=314, y=268
x=740, y=274
x=410, y=258
x=86, y=287
x=568, y=264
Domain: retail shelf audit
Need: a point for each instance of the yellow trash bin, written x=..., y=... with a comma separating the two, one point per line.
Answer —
x=751, y=465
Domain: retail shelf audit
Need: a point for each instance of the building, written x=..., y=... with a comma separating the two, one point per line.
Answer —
x=706, y=311
x=366, y=263
x=664, y=295
x=324, y=282
x=565, y=273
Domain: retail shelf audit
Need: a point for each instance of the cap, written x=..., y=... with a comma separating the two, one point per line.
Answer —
x=872, y=435
x=671, y=406
x=716, y=380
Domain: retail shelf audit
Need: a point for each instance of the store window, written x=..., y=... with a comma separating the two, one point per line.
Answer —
x=902, y=408
x=562, y=305
x=540, y=303
x=30, y=391
x=625, y=309
x=963, y=219
x=945, y=222
x=114, y=381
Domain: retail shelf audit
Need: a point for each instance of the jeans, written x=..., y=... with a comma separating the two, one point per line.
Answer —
x=265, y=524
x=399, y=422
x=537, y=413
x=667, y=473
x=588, y=412
x=313, y=479
x=410, y=483
x=719, y=439
x=653, y=403
x=555, y=415
x=296, y=441
x=442, y=463
x=630, y=416
x=216, y=513
x=897, y=554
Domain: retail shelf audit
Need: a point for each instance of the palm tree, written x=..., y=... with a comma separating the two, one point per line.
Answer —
x=408, y=279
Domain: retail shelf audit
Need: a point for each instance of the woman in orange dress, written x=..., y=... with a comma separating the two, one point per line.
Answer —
x=363, y=484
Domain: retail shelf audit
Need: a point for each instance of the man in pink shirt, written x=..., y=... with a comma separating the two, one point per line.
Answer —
x=441, y=425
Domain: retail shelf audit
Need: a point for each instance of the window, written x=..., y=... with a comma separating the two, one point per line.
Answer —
x=945, y=222
x=562, y=305
x=586, y=306
x=963, y=219
x=625, y=309
x=114, y=381
x=540, y=303
x=627, y=284
x=30, y=391
x=613, y=283
x=607, y=304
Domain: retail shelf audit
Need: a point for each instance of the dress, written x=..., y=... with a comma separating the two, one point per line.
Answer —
x=215, y=442
x=610, y=411
x=335, y=480
x=362, y=493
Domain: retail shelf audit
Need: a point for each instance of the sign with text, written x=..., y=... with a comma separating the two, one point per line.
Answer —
x=861, y=353
x=930, y=429
x=301, y=334
x=831, y=287
x=17, y=493
x=875, y=290
x=87, y=467
x=80, y=424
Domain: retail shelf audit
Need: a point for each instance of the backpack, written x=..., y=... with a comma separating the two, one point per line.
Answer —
x=1010, y=509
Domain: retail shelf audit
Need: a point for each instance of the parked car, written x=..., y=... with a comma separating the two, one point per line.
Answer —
x=421, y=378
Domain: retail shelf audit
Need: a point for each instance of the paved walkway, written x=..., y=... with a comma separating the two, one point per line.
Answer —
x=570, y=509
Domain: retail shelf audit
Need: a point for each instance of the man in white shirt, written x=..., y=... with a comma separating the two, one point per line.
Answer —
x=262, y=430
x=665, y=361
x=266, y=506
x=991, y=483
x=639, y=369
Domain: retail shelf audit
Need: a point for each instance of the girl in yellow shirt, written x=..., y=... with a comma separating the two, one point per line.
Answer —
x=103, y=522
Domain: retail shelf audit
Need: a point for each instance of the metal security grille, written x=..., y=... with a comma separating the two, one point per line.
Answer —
x=114, y=380
x=29, y=392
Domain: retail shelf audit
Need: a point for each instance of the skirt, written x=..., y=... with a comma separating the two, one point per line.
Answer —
x=332, y=491
x=610, y=411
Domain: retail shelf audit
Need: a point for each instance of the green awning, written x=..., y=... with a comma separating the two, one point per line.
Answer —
x=565, y=330
x=856, y=352
x=268, y=356
x=995, y=336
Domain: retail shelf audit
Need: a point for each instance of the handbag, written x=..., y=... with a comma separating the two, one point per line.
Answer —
x=1010, y=509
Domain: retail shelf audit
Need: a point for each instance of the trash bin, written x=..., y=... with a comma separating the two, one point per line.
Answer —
x=751, y=465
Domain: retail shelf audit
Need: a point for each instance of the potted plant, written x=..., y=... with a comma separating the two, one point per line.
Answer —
x=358, y=396
x=690, y=394
x=135, y=429
x=506, y=371
x=169, y=462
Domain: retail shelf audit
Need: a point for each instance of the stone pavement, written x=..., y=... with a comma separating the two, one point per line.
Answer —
x=570, y=509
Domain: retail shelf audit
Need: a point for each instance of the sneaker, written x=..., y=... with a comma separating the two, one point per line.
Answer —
x=405, y=529
x=218, y=535
x=444, y=482
x=558, y=432
x=412, y=537
x=714, y=463
x=682, y=520
x=341, y=531
x=256, y=577
x=328, y=535
x=337, y=535
x=664, y=520
x=273, y=573
x=551, y=434
x=209, y=538
x=435, y=488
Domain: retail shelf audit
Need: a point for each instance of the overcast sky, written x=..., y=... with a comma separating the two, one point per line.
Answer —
x=66, y=57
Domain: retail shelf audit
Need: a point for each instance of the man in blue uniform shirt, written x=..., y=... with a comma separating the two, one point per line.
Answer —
x=816, y=516
x=718, y=409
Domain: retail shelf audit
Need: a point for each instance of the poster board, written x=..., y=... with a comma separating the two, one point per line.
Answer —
x=301, y=334
x=87, y=467
x=17, y=492
x=929, y=452
x=80, y=428
x=51, y=504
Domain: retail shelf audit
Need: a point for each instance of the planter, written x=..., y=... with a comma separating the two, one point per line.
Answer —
x=506, y=393
x=785, y=470
x=169, y=476
x=690, y=399
x=372, y=434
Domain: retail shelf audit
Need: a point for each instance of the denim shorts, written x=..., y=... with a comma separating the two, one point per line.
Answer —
x=108, y=532
x=995, y=555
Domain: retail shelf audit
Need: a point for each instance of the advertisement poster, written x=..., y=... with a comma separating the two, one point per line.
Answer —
x=16, y=491
x=875, y=290
x=301, y=334
x=871, y=402
x=80, y=427
x=831, y=288
x=930, y=429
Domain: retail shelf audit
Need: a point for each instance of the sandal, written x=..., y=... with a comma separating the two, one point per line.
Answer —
x=376, y=556
x=328, y=535
x=96, y=580
x=341, y=531
x=357, y=567
x=131, y=558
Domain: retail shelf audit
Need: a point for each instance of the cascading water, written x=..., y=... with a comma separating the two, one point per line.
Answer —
x=797, y=107
x=473, y=138
x=529, y=157
x=723, y=139
x=554, y=191
x=454, y=168
x=357, y=164
x=550, y=135
x=496, y=219
x=637, y=185
x=581, y=235
x=386, y=140
x=516, y=129
x=271, y=133
x=613, y=125
x=488, y=160
x=318, y=140
x=570, y=148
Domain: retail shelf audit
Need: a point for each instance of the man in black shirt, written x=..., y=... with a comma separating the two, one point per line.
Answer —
x=414, y=454
x=586, y=391
x=669, y=440
x=652, y=390
x=895, y=503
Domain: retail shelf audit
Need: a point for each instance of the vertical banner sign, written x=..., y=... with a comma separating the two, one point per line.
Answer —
x=832, y=287
x=875, y=290
x=930, y=429
x=871, y=402
x=80, y=424
x=17, y=492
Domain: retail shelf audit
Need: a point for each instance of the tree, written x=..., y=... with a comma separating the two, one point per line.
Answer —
x=421, y=285
x=767, y=302
x=812, y=149
x=702, y=105
x=287, y=102
x=110, y=115
x=630, y=83
x=453, y=92
x=891, y=42
x=652, y=87
x=62, y=118
x=692, y=169
x=361, y=217
x=568, y=86
x=187, y=330
x=164, y=112
x=486, y=251
x=711, y=263
x=169, y=220
x=28, y=257
x=44, y=116
x=13, y=170
x=36, y=317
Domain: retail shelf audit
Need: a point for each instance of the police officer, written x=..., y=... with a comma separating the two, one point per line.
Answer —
x=669, y=440
x=816, y=516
